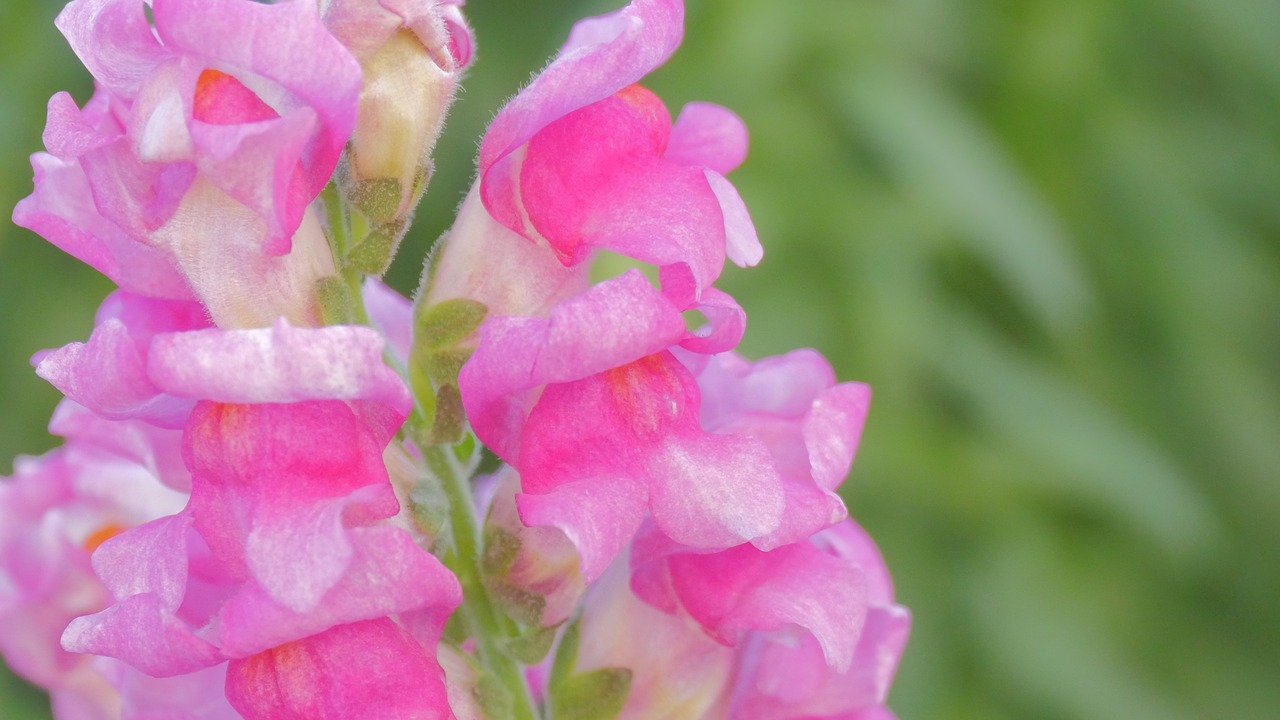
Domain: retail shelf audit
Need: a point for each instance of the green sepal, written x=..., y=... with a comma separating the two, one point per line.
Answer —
x=566, y=653
x=500, y=550
x=531, y=647
x=492, y=696
x=523, y=606
x=596, y=695
x=455, y=631
x=445, y=324
x=378, y=198
x=424, y=391
x=443, y=366
x=374, y=253
x=430, y=507
x=450, y=422
x=337, y=306
x=467, y=448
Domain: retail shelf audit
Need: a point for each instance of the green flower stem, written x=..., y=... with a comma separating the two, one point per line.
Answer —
x=486, y=623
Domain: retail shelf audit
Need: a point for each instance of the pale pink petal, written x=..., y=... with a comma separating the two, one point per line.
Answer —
x=598, y=515
x=712, y=491
x=742, y=245
x=832, y=430
x=743, y=589
x=142, y=631
x=61, y=210
x=789, y=675
x=708, y=135
x=391, y=314
x=281, y=364
x=195, y=696
x=114, y=41
x=482, y=260
x=108, y=374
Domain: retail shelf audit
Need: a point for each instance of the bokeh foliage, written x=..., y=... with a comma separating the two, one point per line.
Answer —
x=1047, y=233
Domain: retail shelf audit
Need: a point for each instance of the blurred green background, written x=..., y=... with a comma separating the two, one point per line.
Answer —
x=1046, y=232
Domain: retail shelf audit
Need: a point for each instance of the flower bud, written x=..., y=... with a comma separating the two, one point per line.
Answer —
x=412, y=54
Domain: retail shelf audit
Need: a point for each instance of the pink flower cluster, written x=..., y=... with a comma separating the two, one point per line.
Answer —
x=253, y=513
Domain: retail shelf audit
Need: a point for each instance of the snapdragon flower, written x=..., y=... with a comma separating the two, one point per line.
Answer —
x=270, y=501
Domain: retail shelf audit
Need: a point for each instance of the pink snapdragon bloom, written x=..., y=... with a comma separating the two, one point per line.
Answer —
x=192, y=169
x=604, y=432
x=283, y=548
x=809, y=631
x=585, y=159
x=784, y=675
x=810, y=423
x=54, y=513
x=677, y=672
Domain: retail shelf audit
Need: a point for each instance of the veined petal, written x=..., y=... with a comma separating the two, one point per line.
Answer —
x=373, y=668
x=611, y=324
x=281, y=364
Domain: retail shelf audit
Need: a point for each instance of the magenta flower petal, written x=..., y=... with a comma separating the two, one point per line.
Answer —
x=385, y=573
x=637, y=424
x=373, y=668
x=743, y=589
x=787, y=677
x=611, y=324
x=725, y=326
x=596, y=179
x=288, y=44
x=603, y=55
